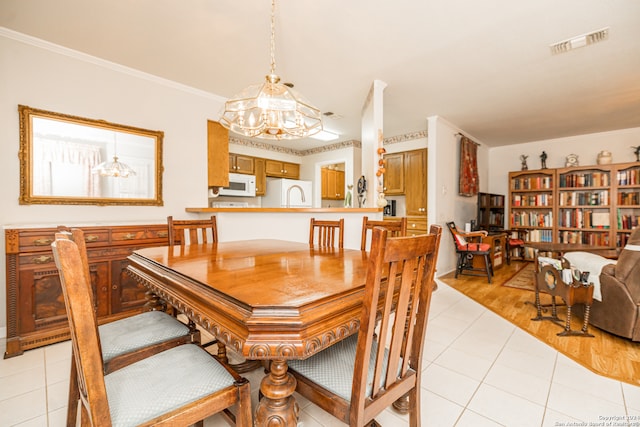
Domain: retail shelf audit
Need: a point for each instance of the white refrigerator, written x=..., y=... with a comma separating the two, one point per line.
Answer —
x=297, y=193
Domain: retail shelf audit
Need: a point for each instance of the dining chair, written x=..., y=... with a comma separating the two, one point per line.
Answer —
x=127, y=340
x=469, y=245
x=194, y=231
x=188, y=231
x=397, y=227
x=179, y=386
x=358, y=377
x=326, y=231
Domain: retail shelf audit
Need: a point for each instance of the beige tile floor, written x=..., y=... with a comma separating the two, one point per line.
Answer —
x=479, y=370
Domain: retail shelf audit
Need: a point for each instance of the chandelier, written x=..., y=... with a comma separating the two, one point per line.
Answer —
x=271, y=110
x=114, y=168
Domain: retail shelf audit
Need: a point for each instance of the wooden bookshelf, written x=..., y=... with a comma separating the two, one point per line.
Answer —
x=532, y=203
x=584, y=205
x=596, y=205
x=626, y=214
x=491, y=211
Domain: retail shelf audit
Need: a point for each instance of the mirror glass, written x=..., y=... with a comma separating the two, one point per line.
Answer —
x=70, y=160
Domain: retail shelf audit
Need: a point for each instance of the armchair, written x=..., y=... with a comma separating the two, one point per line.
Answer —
x=469, y=245
x=618, y=311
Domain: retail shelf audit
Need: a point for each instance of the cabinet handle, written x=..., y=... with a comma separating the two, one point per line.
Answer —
x=42, y=259
x=413, y=225
x=91, y=238
x=162, y=234
x=114, y=287
x=129, y=236
x=42, y=242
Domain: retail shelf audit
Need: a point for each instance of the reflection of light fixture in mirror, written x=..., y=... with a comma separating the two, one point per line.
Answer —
x=115, y=168
x=271, y=110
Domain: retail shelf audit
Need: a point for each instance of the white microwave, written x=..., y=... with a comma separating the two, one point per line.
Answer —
x=240, y=185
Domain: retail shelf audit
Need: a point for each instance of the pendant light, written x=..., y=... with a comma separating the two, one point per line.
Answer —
x=114, y=168
x=271, y=110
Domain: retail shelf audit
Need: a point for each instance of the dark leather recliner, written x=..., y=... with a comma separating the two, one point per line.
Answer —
x=619, y=310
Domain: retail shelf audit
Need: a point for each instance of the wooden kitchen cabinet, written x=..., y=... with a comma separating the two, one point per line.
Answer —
x=278, y=169
x=394, y=174
x=36, y=314
x=416, y=225
x=241, y=164
x=217, y=154
x=332, y=184
x=415, y=164
x=261, y=176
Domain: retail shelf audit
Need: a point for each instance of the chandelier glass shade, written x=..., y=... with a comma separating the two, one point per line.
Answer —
x=114, y=168
x=271, y=110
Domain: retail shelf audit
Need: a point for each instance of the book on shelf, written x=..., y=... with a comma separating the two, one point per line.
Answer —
x=584, y=179
x=628, y=177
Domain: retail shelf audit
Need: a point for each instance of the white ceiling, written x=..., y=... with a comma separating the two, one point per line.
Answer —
x=485, y=66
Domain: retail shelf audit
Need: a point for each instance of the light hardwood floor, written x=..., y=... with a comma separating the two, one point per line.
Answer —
x=606, y=354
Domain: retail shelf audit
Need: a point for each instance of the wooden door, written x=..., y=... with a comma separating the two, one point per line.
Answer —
x=274, y=168
x=339, y=185
x=331, y=184
x=261, y=177
x=126, y=293
x=244, y=164
x=217, y=154
x=291, y=170
x=394, y=174
x=416, y=182
x=324, y=182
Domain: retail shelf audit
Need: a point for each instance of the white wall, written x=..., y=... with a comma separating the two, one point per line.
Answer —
x=443, y=202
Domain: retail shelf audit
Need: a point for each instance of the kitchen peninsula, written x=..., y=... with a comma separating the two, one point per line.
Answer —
x=285, y=223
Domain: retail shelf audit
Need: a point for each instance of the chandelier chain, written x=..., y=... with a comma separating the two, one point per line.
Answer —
x=273, y=36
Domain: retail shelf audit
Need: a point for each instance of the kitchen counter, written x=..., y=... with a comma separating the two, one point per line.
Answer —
x=286, y=210
x=292, y=224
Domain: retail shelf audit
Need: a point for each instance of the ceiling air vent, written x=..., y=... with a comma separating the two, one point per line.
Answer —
x=580, y=41
x=332, y=115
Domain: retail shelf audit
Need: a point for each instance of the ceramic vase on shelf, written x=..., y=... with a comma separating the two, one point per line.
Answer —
x=604, y=157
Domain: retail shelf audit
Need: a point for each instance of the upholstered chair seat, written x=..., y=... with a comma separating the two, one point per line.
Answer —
x=140, y=392
x=133, y=333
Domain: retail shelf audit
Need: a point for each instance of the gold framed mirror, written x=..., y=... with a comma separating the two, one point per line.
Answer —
x=70, y=160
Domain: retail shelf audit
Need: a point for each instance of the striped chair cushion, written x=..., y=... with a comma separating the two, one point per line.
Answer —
x=141, y=392
x=142, y=330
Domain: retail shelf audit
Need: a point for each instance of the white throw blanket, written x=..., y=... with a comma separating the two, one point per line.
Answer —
x=586, y=261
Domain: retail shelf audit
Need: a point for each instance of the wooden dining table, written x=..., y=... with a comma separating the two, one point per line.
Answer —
x=264, y=299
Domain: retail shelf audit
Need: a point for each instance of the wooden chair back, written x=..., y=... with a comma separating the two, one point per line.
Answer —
x=87, y=354
x=462, y=240
x=397, y=297
x=330, y=233
x=192, y=231
x=83, y=326
x=397, y=228
x=386, y=356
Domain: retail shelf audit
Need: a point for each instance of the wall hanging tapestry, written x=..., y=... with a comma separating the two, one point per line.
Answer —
x=468, y=167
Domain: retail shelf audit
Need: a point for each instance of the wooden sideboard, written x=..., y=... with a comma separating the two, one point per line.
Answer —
x=36, y=313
